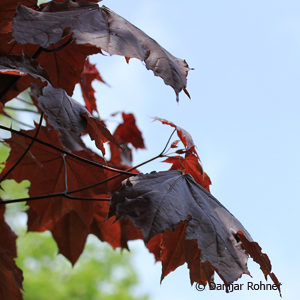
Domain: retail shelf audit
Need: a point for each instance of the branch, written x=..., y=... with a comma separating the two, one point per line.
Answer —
x=25, y=152
x=66, y=194
x=15, y=120
x=35, y=56
x=21, y=109
x=41, y=49
x=161, y=154
x=54, y=195
x=24, y=101
x=68, y=153
x=66, y=173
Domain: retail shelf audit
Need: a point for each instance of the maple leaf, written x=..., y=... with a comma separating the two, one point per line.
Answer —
x=44, y=168
x=88, y=75
x=69, y=220
x=66, y=115
x=68, y=60
x=116, y=233
x=102, y=28
x=184, y=136
x=20, y=68
x=190, y=163
x=10, y=275
x=173, y=250
x=71, y=119
x=128, y=133
x=8, y=10
x=65, y=66
x=159, y=201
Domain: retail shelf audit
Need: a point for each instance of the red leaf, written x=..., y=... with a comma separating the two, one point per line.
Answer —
x=70, y=233
x=254, y=250
x=8, y=10
x=190, y=165
x=173, y=250
x=65, y=66
x=128, y=133
x=17, y=74
x=158, y=202
x=116, y=233
x=98, y=132
x=89, y=74
x=44, y=168
x=10, y=275
x=103, y=29
x=184, y=136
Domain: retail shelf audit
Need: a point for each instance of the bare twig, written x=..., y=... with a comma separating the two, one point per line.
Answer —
x=25, y=152
x=161, y=154
x=66, y=172
x=67, y=195
x=68, y=153
x=54, y=195
x=15, y=120
x=21, y=109
x=41, y=49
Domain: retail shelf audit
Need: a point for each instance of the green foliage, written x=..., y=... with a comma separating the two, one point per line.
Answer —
x=100, y=273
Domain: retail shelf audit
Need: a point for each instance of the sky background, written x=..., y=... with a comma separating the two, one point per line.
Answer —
x=243, y=116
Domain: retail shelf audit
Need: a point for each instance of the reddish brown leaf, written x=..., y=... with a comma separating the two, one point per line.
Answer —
x=254, y=250
x=120, y=155
x=8, y=10
x=98, y=132
x=190, y=165
x=10, y=275
x=116, y=233
x=44, y=168
x=70, y=118
x=66, y=65
x=70, y=234
x=128, y=133
x=102, y=28
x=184, y=136
x=17, y=74
x=68, y=60
x=173, y=250
x=89, y=74
x=158, y=202
x=175, y=143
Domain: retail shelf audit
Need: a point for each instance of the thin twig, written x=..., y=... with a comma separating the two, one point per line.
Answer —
x=161, y=154
x=24, y=101
x=54, y=195
x=68, y=153
x=66, y=173
x=21, y=109
x=67, y=194
x=25, y=152
x=41, y=49
x=15, y=120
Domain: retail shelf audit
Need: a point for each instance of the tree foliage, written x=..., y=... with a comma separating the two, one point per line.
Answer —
x=74, y=191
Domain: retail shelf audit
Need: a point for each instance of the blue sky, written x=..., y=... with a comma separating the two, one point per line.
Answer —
x=243, y=116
